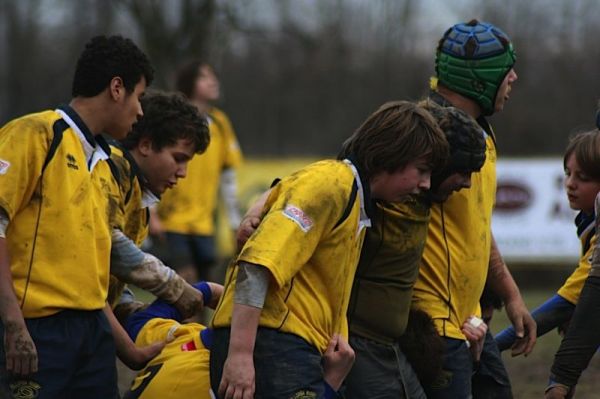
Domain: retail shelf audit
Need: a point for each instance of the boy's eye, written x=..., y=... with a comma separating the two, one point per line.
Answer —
x=583, y=177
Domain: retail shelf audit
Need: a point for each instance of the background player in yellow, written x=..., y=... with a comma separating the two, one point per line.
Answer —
x=581, y=163
x=55, y=234
x=474, y=68
x=187, y=212
x=287, y=293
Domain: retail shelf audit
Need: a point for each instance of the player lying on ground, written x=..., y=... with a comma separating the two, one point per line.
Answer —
x=182, y=368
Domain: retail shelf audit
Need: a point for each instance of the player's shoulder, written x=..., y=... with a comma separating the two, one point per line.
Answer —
x=413, y=207
x=218, y=114
x=40, y=123
x=328, y=171
x=322, y=180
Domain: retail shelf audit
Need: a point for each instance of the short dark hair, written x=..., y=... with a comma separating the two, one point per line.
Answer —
x=105, y=58
x=169, y=117
x=393, y=136
x=185, y=80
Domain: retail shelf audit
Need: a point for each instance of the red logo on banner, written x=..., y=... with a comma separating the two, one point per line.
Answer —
x=512, y=196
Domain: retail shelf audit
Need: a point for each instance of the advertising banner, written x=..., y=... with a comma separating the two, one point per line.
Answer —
x=532, y=220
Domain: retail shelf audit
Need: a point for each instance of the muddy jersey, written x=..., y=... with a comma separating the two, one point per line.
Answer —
x=58, y=237
x=387, y=270
x=309, y=240
x=456, y=258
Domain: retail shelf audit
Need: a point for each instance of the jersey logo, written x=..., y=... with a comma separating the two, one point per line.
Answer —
x=304, y=394
x=297, y=215
x=25, y=389
x=4, y=165
x=72, y=162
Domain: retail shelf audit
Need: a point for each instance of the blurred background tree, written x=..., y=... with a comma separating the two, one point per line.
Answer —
x=299, y=76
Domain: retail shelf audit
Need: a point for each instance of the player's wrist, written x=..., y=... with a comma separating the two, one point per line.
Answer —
x=12, y=316
x=561, y=388
x=334, y=380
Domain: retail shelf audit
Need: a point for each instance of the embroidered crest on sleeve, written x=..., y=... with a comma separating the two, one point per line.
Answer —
x=4, y=165
x=297, y=215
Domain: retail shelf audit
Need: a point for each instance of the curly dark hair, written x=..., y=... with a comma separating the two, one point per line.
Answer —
x=167, y=118
x=105, y=58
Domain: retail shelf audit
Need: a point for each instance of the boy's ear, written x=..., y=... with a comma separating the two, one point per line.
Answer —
x=144, y=146
x=116, y=88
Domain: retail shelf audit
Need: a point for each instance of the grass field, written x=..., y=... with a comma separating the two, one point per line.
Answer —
x=528, y=375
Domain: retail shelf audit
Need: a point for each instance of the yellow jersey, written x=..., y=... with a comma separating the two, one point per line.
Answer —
x=574, y=284
x=309, y=239
x=59, y=236
x=189, y=207
x=456, y=258
x=131, y=214
x=181, y=370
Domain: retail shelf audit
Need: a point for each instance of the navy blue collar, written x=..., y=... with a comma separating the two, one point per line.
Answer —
x=89, y=137
x=366, y=187
x=582, y=221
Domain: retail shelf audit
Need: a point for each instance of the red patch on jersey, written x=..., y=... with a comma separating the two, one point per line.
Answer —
x=188, y=346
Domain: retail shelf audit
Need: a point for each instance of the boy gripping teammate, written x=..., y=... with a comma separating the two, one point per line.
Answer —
x=187, y=214
x=388, y=267
x=149, y=161
x=287, y=293
x=474, y=67
x=389, y=264
x=55, y=235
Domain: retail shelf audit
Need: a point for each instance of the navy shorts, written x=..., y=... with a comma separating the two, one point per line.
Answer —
x=454, y=381
x=381, y=371
x=461, y=379
x=286, y=366
x=490, y=380
x=189, y=249
x=76, y=358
